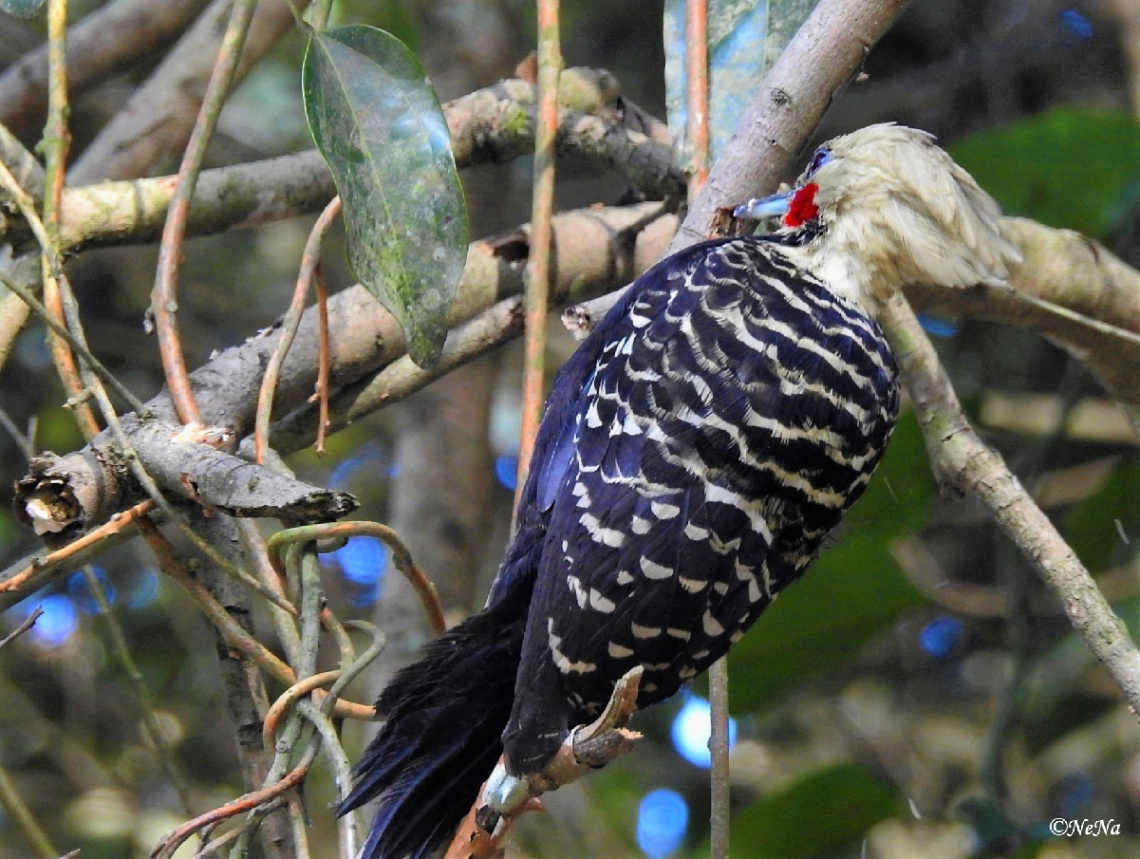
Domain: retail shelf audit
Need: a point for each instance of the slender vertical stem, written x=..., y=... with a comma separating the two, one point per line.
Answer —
x=538, y=265
x=697, y=66
x=697, y=132
x=164, y=298
x=310, y=262
x=720, y=812
x=57, y=144
x=18, y=810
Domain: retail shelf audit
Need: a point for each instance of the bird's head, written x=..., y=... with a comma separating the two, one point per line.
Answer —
x=883, y=207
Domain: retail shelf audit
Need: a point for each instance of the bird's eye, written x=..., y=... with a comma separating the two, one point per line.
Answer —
x=821, y=157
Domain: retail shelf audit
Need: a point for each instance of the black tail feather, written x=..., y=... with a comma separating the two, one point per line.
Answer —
x=445, y=716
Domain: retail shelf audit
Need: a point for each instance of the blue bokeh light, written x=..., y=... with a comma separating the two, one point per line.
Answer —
x=507, y=469
x=81, y=594
x=692, y=727
x=58, y=622
x=144, y=591
x=939, y=327
x=1076, y=23
x=363, y=562
x=1079, y=790
x=662, y=818
x=369, y=458
x=940, y=635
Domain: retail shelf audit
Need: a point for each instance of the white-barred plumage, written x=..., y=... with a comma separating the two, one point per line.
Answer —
x=696, y=451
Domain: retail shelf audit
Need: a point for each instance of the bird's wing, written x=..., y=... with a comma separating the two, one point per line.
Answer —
x=656, y=540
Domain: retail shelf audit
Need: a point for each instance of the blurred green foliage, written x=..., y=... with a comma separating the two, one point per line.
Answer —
x=824, y=813
x=1068, y=167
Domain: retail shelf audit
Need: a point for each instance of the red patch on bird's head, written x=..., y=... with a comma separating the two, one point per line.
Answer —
x=802, y=206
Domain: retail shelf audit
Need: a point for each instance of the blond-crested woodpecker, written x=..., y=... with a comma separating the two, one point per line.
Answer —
x=696, y=451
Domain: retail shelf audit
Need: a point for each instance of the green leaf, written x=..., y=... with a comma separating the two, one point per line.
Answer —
x=854, y=591
x=1071, y=168
x=377, y=122
x=21, y=8
x=821, y=814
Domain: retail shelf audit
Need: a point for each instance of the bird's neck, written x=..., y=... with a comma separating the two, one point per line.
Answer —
x=846, y=274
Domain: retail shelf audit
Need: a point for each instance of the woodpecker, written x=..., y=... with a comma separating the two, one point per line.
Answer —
x=695, y=452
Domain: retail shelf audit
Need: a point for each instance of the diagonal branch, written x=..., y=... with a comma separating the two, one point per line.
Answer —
x=966, y=466
x=595, y=251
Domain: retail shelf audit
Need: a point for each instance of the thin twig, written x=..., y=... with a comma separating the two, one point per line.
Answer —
x=15, y=807
x=324, y=359
x=42, y=563
x=541, y=237
x=165, y=295
x=57, y=144
x=170, y=564
x=26, y=624
x=23, y=442
x=310, y=260
x=97, y=367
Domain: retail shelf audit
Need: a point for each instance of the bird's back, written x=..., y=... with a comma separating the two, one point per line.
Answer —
x=735, y=407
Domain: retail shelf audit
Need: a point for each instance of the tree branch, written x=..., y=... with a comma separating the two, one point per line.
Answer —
x=103, y=43
x=595, y=250
x=491, y=125
x=817, y=64
x=157, y=121
x=966, y=466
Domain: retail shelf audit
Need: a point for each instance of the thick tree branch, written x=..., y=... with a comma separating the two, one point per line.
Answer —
x=595, y=250
x=61, y=496
x=1077, y=275
x=491, y=125
x=817, y=64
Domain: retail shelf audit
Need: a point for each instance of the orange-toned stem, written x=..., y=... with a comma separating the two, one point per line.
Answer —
x=697, y=66
x=310, y=261
x=324, y=358
x=537, y=298
x=286, y=700
x=246, y=803
x=164, y=298
x=231, y=630
x=117, y=524
x=57, y=144
x=401, y=557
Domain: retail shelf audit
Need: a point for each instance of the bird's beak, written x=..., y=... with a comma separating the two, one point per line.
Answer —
x=765, y=207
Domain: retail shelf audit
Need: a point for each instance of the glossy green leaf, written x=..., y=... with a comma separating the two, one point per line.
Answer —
x=1071, y=168
x=824, y=813
x=854, y=591
x=21, y=8
x=377, y=122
